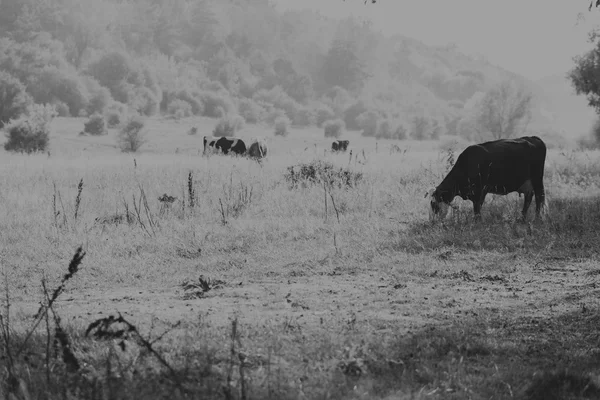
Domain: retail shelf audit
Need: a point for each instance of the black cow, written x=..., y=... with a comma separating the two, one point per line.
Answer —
x=340, y=145
x=225, y=144
x=499, y=167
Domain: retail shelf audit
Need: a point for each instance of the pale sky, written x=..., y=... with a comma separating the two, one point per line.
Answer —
x=535, y=38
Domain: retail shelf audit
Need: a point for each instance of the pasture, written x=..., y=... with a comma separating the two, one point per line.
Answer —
x=309, y=293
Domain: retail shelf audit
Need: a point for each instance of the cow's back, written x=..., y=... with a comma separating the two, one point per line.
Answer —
x=503, y=165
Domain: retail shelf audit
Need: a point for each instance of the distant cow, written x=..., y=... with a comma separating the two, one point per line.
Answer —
x=258, y=149
x=340, y=145
x=499, y=167
x=225, y=144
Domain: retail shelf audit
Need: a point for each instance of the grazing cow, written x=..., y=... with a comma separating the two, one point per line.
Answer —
x=225, y=144
x=499, y=167
x=258, y=149
x=340, y=145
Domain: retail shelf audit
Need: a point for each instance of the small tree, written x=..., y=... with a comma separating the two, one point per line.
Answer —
x=334, y=128
x=504, y=111
x=400, y=133
x=228, y=125
x=422, y=128
x=14, y=100
x=30, y=133
x=132, y=136
x=95, y=125
x=384, y=130
x=368, y=122
x=282, y=126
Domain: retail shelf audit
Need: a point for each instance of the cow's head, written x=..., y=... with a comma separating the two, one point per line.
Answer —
x=438, y=207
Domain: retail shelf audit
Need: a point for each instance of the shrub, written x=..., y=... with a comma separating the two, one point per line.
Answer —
x=14, y=99
x=334, y=128
x=228, y=125
x=195, y=104
x=111, y=69
x=216, y=105
x=62, y=110
x=95, y=125
x=179, y=108
x=422, y=128
x=351, y=114
x=305, y=117
x=119, y=107
x=317, y=172
x=324, y=113
x=113, y=118
x=251, y=111
x=384, y=130
x=279, y=99
x=282, y=126
x=100, y=98
x=145, y=101
x=400, y=133
x=273, y=115
x=52, y=84
x=132, y=136
x=30, y=133
x=368, y=122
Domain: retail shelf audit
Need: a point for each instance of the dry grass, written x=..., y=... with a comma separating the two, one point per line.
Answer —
x=335, y=292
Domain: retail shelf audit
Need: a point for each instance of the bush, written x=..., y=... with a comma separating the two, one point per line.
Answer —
x=95, y=125
x=100, y=98
x=179, y=108
x=384, y=130
x=324, y=113
x=228, y=125
x=422, y=128
x=319, y=171
x=14, y=99
x=368, y=123
x=351, y=114
x=62, y=110
x=113, y=118
x=111, y=69
x=145, y=101
x=30, y=133
x=216, y=105
x=305, y=117
x=400, y=133
x=132, y=136
x=273, y=115
x=52, y=84
x=195, y=104
x=279, y=99
x=334, y=128
x=251, y=111
x=282, y=126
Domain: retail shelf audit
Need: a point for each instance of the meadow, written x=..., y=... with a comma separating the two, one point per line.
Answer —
x=246, y=288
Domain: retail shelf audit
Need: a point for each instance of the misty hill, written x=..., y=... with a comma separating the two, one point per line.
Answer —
x=218, y=59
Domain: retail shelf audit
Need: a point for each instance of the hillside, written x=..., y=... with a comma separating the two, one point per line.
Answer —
x=200, y=58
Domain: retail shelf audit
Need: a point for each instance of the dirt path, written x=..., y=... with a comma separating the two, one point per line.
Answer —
x=538, y=291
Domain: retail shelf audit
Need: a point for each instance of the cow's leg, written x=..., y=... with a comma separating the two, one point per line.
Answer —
x=477, y=204
x=540, y=198
x=526, y=204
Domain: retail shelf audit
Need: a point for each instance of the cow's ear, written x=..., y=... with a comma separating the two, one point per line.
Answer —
x=430, y=192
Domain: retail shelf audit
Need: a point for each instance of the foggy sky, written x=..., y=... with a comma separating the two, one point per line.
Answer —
x=535, y=38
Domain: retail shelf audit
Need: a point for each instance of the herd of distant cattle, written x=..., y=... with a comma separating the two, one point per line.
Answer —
x=498, y=167
x=256, y=150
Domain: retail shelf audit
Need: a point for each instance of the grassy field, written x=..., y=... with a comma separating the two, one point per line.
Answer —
x=367, y=300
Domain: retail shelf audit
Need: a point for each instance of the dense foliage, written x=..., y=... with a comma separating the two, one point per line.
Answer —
x=195, y=57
